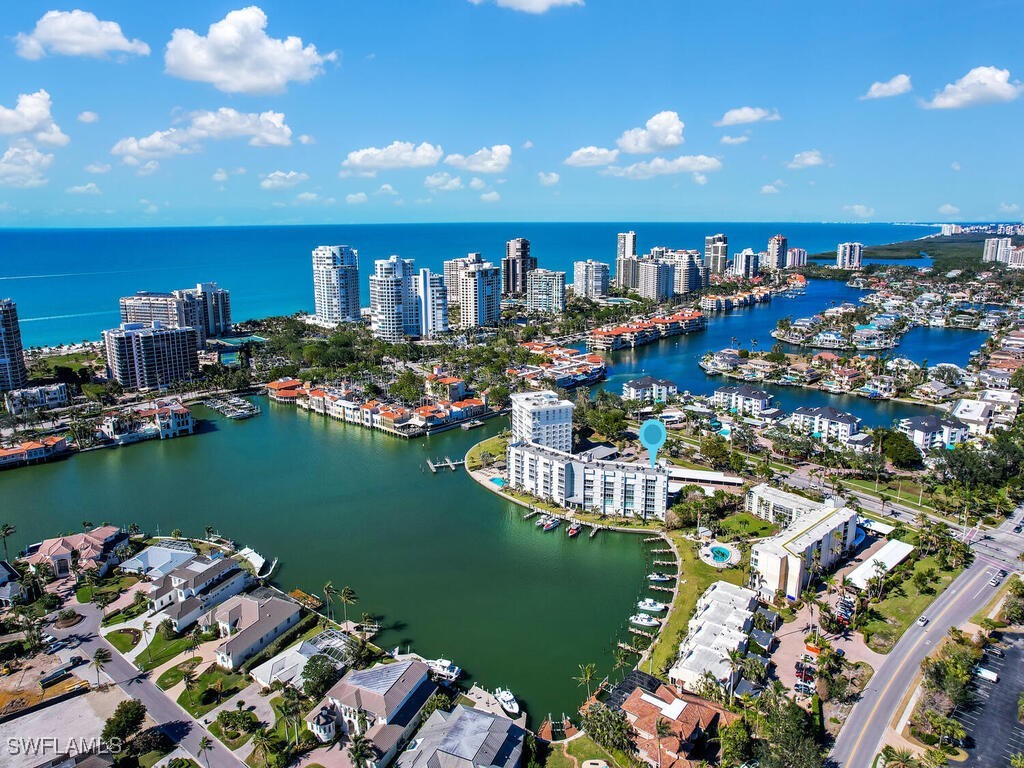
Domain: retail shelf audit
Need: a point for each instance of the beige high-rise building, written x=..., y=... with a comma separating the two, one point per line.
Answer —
x=452, y=268
x=516, y=265
x=479, y=295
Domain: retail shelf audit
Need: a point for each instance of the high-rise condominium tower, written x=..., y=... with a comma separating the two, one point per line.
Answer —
x=716, y=253
x=516, y=265
x=336, y=283
x=849, y=255
x=590, y=279
x=12, y=357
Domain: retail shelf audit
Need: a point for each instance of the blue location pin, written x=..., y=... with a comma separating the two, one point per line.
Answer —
x=652, y=437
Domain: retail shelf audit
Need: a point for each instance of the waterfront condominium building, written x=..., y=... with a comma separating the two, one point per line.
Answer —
x=452, y=268
x=336, y=284
x=627, y=272
x=584, y=482
x=777, y=248
x=150, y=356
x=590, y=279
x=656, y=279
x=433, y=300
x=394, y=310
x=13, y=374
x=690, y=274
x=796, y=257
x=479, y=295
x=627, y=245
x=516, y=265
x=545, y=291
x=716, y=253
x=746, y=264
x=542, y=418
x=997, y=249
x=849, y=255
x=206, y=308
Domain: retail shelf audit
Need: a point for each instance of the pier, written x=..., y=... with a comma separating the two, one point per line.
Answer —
x=628, y=648
x=660, y=588
x=665, y=562
x=635, y=631
x=532, y=513
x=652, y=539
x=660, y=551
x=446, y=463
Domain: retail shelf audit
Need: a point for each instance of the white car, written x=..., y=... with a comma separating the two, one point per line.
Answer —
x=922, y=621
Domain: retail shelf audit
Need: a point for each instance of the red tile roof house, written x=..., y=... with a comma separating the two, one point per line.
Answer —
x=691, y=719
x=93, y=550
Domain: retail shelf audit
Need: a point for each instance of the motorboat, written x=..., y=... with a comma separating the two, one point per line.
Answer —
x=543, y=520
x=574, y=530
x=444, y=669
x=644, y=620
x=651, y=605
x=659, y=577
x=551, y=524
x=507, y=700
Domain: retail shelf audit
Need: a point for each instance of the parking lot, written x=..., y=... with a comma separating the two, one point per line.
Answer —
x=994, y=733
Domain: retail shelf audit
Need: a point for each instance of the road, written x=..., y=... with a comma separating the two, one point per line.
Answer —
x=176, y=722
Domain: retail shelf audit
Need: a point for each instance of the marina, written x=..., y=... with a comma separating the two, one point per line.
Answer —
x=235, y=408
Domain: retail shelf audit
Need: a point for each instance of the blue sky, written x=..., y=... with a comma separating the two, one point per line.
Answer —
x=209, y=112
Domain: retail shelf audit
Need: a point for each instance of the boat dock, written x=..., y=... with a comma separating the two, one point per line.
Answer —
x=660, y=551
x=594, y=527
x=484, y=699
x=232, y=407
x=445, y=463
x=665, y=562
x=652, y=539
x=628, y=648
x=660, y=588
x=635, y=631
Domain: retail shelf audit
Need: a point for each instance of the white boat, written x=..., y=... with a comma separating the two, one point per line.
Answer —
x=543, y=520
x=644, y=620
x=507, y=700
x=651, y=605
x=444, y=669
x=659, y=577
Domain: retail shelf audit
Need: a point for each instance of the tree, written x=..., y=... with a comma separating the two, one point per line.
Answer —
x=190, y=680
x=662, y=730
x=262, y=745
x=100, y=659
x=899, y=758
x=439, y=700
x=360, y=751
x=6, y=530
x=736, y=743
x=147, y=625
x=330, y=593
x=125, y=722
x=586, y=677
x=205, y=745
x=347, y=596
x=318, y=676
x=1017, y=759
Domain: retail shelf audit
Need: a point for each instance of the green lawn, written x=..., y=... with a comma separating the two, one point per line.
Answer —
x=243, y=736
x=172, y=676
x=204, y=697
x=111, y=586
x=556, y=758
x=493, y=445
x=160, y=651
x=585, y=748
x=698, y=576
x=743, y=525
x=899, y=611
x=124, y=639
x=132, y=611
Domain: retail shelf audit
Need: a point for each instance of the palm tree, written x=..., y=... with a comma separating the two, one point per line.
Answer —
x=86, y=525
x=899, y=758
x=735, y=662
x=347, y=596
x=360, y=752
x=209, y=531
x=6, y=529
x=1017, y=760
x=205, y=745
x=262, y=745
x=662, y=730
x=330, y=592
x=147, y=625
x=100, y=659
x=195, y=639
x=586, y=677
x=190, y=680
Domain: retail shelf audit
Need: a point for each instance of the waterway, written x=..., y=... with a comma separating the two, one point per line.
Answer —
x=453, y=569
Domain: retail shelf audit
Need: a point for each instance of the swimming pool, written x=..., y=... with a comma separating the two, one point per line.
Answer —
x=720, y=554
x=498, y=481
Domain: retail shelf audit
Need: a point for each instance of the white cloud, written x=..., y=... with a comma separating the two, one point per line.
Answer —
x=735, y=139
x=148, y=207
x=898, y=85
x=306, y=139
x=531, y=6
x=477, y=183
x=220, y=175
x=806, y=159
x=307, y=197
x=237, y=55
x=84, y=189
x=700, y=178
x=397, y=154
x=948, y=209
x=1008, y=207
x=266, y=129
x=490, y=197
x=357, y=198
x=770, y=189
x=88, y=117
x=97, y=168
x=283, y=179
x=22, y=165
x=659, y=166
x=663, y=130
x=548, y=179
x=982, y=85
x=955, y=165
x=442, y=181
x=76, y=33
x=860, y=210
x=386, y=189
x=487, y=160
x=31, y=117
x=148, y=168
x=527, y=144
x=744, y=115
x=586, y=157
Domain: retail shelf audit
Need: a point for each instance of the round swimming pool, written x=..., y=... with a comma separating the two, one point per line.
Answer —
x=720, y=554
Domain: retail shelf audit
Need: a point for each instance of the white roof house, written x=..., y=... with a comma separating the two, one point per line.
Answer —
x=892, y=554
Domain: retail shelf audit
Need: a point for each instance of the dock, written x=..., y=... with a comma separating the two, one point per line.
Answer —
x=628, y=648
x=660, y=588
x=233, y=407
x=446, y=463
x=664, y=562
x=660, y=551
x=484, y=700
x=652, y=539
x=532, y=513
x=635, y=631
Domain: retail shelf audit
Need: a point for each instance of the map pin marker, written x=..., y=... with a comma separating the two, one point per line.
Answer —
x=652, y=436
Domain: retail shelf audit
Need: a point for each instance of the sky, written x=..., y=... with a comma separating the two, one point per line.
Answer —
x=335, y=111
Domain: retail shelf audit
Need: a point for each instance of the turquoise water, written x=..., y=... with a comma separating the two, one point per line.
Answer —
x=720, y=554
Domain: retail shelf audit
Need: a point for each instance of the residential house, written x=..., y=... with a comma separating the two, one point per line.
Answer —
x=930, y=432
x=976, y=415
x=935, y=391
x=93, y=550
x=11, y=591
x=192, y=589
x=33, y=451
x=465, y=738
x=249, y=625
x=1005, y=402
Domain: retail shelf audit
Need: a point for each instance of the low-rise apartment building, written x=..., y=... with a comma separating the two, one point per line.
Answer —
x=41, y=398
x=742, y=399
x=932, y=432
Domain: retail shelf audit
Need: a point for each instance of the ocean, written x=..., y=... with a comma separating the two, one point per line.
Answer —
x=67, y=282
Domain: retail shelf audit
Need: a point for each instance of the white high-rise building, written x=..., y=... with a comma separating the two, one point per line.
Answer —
x=590, y=279
x=206, y=308
x=479, y=295
x=13, y=374
x=627, y=245
x=150, y=356
x=746, y=264
x=997, y=249
x=542, y=418
x=849, y=255
x=545, y=291
x=716, y=253
x=433, y=300
x=627, y=272
x=336, y=284
x=394, y=311
x=452, y=268
x=796, y=257
x=656, y=279
x=778, y=246
x=690, y=274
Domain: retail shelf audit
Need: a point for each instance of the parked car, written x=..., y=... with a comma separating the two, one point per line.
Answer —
x=840, y=653
x=48, y=638
x=805, y=677
x=995, y=651
x=803, y=688
x=58, y=646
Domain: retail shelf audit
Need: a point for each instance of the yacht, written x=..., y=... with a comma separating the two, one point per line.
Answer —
x=574, y=530
x=644, y=620
x=659, y=577
x=543, y=520
x=552, y=523
x=507, y=700
x=444, y=669
x=651, y=605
